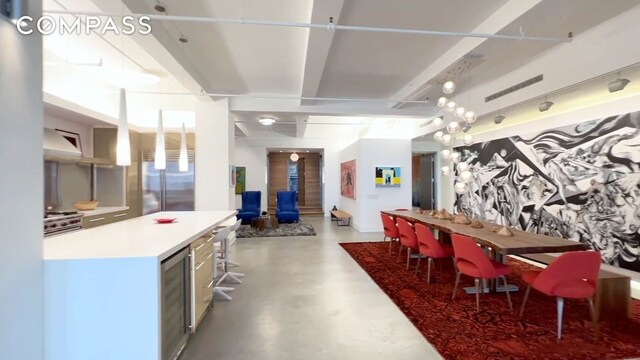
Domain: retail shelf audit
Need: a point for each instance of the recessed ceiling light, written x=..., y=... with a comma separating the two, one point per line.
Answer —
x=160, y=7
x=498, y=119
x=183, y=39
x=267, y=121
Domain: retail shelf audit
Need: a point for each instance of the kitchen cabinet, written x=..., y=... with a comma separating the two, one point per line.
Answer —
x=92, y=221
x=202, y=253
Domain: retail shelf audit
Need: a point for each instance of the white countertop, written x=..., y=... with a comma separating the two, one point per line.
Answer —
x=104, y=210
x=137, y=237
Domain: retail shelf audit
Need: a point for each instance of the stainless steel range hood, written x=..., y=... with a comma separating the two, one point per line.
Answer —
x=57, y=146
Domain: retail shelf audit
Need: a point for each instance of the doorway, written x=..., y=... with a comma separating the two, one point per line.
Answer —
x=423, y=181
x=303, y=175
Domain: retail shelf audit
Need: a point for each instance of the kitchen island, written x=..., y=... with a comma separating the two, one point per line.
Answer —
x=103, y=285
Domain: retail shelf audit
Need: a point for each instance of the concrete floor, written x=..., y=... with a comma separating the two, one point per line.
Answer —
x=306, y=298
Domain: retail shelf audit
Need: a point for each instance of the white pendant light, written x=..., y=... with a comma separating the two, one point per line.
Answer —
x=161, y=155
x=460, y=187
x=123, y=144
x=470, y=117
x=183, y=160
x=446, y=139
x=466, y=176
x=445, y=170
x=438, y=136
x=467, y=139
x=455, y=157
x=460, y=111
x=463, y=166
x=449, y=87
x=450, y=107
x=442, y=101
x=453, y=127
x=446, y=153
x=437, y=121
x=294, y=157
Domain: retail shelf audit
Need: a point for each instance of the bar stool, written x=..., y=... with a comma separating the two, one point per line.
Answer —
x=218, y=238
x=224, y=256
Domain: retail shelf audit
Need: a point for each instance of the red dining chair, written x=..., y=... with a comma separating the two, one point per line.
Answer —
x=390, y=230
x=572, y=275
x=472, y=261
x=431, y=248
x=408, y=239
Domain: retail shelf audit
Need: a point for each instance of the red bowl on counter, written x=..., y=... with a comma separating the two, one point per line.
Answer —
x=164, y=220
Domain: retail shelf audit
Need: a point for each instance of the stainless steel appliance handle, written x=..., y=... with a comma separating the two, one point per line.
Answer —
x=209, y=256
x=120, y=215
x=199, y=247
x=97, y=219
x=199, y=266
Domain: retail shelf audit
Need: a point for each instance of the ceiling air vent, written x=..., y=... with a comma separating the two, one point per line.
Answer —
x=516, y=87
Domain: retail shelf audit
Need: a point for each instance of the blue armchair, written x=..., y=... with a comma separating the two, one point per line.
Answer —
x=250, y=206
x=286, y=209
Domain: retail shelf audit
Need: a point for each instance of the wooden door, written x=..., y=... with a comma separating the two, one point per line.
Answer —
x=278, y=176
x=301, y=181
x=312, y=181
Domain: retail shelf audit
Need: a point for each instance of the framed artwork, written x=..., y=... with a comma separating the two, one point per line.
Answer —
x=348, y=179
x=73, y=138
x=387, y=176
x=232, y=179
x=241, y=179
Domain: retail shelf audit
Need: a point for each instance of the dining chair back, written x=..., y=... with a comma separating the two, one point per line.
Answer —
x=472, y=261
x=431, y=248
x=407, y=234
x=572, y=275
x=408, y=240
x=390, y=228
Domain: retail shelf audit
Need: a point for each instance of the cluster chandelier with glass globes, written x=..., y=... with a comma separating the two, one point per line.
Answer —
x=460, y=120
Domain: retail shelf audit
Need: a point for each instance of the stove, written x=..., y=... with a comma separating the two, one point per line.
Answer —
x=58, y=222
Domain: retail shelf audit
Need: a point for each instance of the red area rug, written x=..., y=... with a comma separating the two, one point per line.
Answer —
x=458, y=332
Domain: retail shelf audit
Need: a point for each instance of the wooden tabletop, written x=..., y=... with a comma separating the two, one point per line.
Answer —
x=522, y=242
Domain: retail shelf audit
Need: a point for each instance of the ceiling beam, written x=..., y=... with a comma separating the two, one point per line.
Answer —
x=318, y=46
x=508, y=13
x=301, y=126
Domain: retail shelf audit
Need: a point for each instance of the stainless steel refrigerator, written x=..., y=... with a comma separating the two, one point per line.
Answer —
x=170, y=189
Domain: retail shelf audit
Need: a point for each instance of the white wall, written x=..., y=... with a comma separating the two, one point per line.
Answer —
x=370, y=200
x=214, y=150
x=252, y=153
x=21, y=193
x=85, y=132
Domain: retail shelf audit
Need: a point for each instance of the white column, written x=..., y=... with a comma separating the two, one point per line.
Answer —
x=214, y=152
x=21, y=193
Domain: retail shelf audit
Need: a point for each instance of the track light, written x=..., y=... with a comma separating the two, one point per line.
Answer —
x=498, y=119
x=618, y=85
x=544, y=106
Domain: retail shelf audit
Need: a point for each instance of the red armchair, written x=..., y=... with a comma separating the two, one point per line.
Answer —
x=572, y=275
x=390, y=230
x=431, y=248
x=408, y=239
x=472, y=261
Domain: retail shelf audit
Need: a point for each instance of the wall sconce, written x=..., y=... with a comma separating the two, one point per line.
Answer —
x=544, y=106
x=13, y=9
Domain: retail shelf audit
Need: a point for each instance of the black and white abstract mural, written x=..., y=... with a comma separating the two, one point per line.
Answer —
x=579, y=182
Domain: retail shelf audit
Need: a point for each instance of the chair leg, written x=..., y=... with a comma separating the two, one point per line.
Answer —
x=455, y=287
x=418, y=265
x=408, y=256
x=390, y=245
x=560, y=306
x=594, y=316
x=429, y=264
x=524, y=301
x=506, y=289
x=399, y=252
x=455, y=268
x=477, y=281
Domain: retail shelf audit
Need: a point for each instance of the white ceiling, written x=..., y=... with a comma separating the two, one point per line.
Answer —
x=287, y=61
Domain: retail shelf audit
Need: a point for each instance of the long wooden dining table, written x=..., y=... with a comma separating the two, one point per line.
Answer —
x=521, y=242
